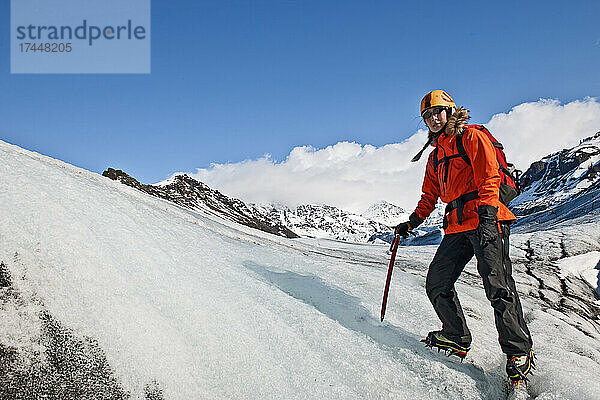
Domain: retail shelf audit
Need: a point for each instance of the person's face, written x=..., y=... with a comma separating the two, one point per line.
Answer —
x=435, y=118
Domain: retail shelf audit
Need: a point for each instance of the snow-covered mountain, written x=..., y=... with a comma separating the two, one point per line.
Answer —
x=386, y=213
x=323, y=221
x=308, y=220
x=108, y=293
x=561, y=187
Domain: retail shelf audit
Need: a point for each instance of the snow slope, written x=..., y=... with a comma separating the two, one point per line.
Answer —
x=586, y=266
x=184, y=305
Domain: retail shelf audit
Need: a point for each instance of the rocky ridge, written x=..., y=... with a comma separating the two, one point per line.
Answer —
x=192, y=194
x=308, y=220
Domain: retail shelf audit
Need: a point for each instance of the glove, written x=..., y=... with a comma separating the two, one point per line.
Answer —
x=402, y=229
x=488, y=225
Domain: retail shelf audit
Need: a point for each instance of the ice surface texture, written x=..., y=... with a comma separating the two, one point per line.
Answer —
x=186, y=305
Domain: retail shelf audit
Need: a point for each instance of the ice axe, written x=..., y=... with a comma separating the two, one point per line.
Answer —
x=393, y=249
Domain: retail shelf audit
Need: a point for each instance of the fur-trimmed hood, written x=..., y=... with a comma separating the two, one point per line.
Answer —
x=456, y=122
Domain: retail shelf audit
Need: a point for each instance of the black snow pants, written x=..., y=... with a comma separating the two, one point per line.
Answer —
x=494, y=266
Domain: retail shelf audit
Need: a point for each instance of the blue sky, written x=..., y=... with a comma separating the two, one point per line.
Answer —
x=233, y=80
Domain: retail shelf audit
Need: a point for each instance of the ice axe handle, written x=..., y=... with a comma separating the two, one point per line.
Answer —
x=393, y=249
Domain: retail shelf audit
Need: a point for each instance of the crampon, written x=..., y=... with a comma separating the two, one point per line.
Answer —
x=514, y=384
x=519, y=368
x=438, y=340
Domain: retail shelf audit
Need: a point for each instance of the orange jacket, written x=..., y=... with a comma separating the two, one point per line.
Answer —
x=455, y=177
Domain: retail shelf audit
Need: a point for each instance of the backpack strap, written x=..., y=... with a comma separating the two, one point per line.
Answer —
x=461, y=149
x=461, y=153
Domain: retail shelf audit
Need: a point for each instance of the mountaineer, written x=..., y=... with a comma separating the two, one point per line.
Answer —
x=464, y=172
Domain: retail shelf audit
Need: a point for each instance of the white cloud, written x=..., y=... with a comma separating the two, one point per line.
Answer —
x=353, y=176
x=531, y=131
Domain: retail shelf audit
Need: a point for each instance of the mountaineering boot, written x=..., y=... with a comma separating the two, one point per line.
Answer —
x=519, y=366
x=441, y=342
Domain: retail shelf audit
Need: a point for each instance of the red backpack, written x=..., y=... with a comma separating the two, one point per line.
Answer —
x=509, y=175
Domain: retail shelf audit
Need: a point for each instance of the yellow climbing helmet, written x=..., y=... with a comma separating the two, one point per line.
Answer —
x=436, y=98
